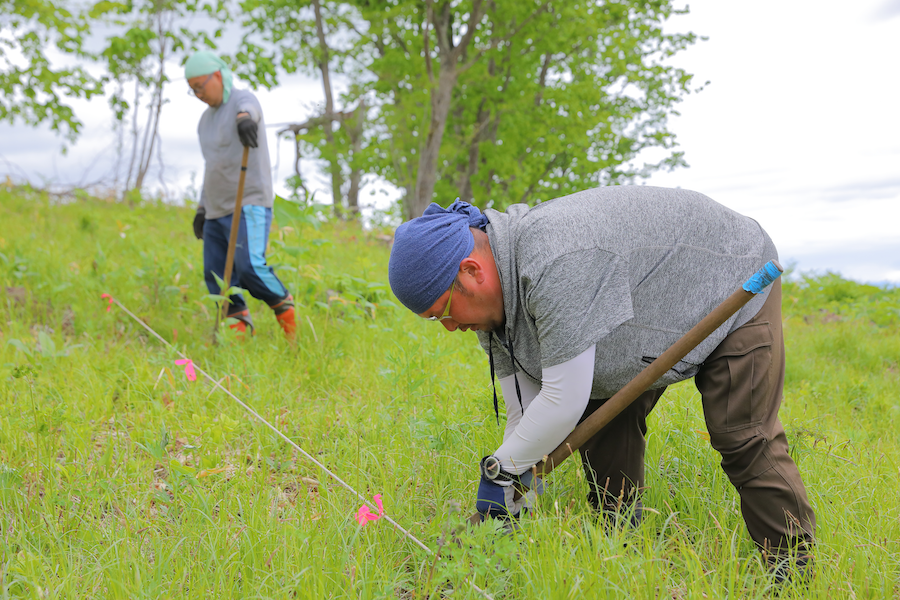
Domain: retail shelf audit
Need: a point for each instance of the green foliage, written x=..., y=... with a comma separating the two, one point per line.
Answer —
x=142, y=36
x=30, y=88
x=44, y=349
x=131, y=40
x=300, y=214
x=144, y=31
x=553, y=98
x=121, y=479
x=549, y=97
x=847, y=353
x=835, y=298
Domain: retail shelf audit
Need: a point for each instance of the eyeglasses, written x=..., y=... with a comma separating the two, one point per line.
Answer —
x=193, y=91
x=446, y=314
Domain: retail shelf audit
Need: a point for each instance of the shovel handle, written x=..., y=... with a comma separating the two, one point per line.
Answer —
x=232, y=238
x=637, y=386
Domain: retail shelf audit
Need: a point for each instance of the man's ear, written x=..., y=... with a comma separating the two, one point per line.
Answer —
x=472, y=267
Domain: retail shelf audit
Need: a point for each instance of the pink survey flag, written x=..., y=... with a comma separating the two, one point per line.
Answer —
x=108, y=306
x=364, y=514
x=188, y=368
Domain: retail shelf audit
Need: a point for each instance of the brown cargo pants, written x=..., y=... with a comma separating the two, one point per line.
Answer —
x=741, y=384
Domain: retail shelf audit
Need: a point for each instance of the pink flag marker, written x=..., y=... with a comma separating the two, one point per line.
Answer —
x=364, y=514
x=109, y=306
x=188, y=368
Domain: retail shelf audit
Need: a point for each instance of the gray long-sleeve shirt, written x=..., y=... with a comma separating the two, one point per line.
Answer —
x=222, y=151
x=628, y=268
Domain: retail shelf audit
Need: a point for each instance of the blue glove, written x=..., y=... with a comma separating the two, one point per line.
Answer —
x=496, y=500
x=497, y=497
x=533, y=483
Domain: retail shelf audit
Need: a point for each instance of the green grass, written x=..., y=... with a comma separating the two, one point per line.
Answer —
x=121, y=479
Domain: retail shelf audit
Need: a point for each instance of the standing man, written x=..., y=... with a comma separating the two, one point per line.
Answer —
x=233, y=120
x=573, y=298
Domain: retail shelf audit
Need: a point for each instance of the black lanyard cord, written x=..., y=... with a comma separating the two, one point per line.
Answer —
x=512, y=356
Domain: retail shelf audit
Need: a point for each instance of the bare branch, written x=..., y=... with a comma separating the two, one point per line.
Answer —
x=474, y=18
x=441, y=27
x=542, y=80
x=306, y=125
x=319, y=120
x=549, y=167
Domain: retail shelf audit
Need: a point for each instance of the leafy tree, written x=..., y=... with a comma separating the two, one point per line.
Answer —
x=30, y=88
x=146, y=35
x=140, y=37
x=313, y=37
x=494, y=101
x=507, y=101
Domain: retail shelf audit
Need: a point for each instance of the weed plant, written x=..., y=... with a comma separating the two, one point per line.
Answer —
x=119, y=478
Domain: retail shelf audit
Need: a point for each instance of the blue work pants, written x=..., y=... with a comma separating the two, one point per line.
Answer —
x=250, y=270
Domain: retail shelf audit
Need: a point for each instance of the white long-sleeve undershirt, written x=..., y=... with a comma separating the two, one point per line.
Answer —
x=552, y=411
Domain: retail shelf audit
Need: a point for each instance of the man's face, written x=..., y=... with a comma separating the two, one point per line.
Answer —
x=208, y=88
x=469, y=309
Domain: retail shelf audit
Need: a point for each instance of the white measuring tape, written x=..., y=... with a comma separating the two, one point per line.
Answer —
x=189, y=364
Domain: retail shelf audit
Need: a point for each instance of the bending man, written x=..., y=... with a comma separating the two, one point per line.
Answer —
x=574, y=297
x=233, y=120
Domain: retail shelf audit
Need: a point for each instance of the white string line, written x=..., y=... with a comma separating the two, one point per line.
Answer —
x=277, y=432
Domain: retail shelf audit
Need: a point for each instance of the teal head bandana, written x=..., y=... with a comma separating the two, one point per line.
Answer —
x=204, y=63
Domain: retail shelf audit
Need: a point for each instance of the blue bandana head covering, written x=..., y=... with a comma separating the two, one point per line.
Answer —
x=204, y=63
x=427, y=251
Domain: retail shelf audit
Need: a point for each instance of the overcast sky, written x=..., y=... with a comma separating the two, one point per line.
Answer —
x=798, y=128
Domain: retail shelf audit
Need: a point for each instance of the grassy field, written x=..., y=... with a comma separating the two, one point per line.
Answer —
x=119, y=478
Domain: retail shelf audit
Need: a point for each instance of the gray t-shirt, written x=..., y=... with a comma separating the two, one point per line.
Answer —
x=628, y=268
x=222, y=151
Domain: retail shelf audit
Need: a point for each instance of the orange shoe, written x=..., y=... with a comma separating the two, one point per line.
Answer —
x=288, y=322
x=284, y=312
x=240, y=327
x=241, y=323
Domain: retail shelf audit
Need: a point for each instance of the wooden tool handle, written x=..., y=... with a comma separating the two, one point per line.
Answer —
x=637, y=386
x=233, y=236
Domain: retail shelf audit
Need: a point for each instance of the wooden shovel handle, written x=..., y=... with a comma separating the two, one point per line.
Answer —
x=637, y=386
x=232, y=238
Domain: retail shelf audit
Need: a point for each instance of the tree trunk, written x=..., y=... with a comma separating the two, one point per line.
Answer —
x=441, y=96
x=154, y=109
x=440, y=107
x=481, y=125
x=337, y=179
x=355, y=131
x=135, y=130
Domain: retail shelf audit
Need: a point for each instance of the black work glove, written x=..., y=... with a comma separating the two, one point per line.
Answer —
x=199, y=220
x=247, y=129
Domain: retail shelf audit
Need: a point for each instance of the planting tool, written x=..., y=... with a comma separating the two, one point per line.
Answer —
x=232, y=239
x=637, y=386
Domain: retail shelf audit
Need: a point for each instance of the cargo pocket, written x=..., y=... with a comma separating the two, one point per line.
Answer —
x=736, y=380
